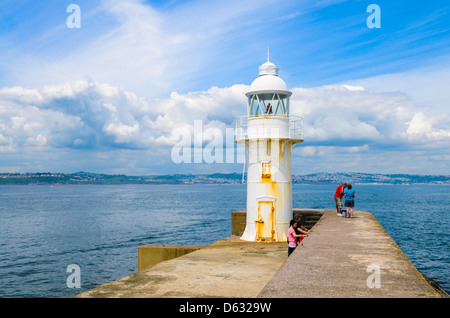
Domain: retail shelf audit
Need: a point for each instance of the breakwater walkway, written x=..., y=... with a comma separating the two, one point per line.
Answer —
x=340, y=258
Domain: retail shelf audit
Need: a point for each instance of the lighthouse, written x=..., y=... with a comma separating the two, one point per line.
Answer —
x=269, y=133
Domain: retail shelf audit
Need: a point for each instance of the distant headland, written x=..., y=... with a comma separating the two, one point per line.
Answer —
x=215, y=178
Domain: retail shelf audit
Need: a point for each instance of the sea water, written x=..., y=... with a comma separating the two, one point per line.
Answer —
x=46, y=229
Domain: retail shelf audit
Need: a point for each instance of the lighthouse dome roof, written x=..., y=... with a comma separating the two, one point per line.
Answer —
x=268, y=68
x=268, y=81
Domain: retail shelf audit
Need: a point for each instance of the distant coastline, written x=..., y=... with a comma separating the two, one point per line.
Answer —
x=215, y=178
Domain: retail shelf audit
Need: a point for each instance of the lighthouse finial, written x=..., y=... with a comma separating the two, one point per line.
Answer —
x=267, y=54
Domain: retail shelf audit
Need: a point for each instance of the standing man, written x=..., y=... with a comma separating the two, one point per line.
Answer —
x=338, y=198
x=349, y=196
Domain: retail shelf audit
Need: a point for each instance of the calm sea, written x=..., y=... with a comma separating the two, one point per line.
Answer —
x=45, y=229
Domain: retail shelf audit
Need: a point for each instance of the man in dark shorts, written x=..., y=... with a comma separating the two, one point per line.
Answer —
x=338, y=197
x=349, y=195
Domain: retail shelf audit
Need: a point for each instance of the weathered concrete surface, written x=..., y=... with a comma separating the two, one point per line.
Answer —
x=152, y=254
x=334, y=261
x=228, y=268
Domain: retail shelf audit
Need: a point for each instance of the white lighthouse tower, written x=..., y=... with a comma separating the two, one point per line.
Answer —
x=269, y=133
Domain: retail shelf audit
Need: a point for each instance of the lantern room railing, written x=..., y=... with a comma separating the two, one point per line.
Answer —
x=269, y=127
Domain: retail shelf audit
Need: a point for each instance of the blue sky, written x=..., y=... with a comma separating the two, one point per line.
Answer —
x=113, y=95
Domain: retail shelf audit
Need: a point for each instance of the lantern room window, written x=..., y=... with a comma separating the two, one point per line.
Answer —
x=268, y=104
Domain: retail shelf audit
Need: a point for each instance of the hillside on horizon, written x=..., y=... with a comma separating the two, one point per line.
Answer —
x=215, y=178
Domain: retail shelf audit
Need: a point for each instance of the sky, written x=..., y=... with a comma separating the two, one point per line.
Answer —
x=116, y=86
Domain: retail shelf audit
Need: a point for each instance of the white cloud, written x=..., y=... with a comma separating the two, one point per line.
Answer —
x=426, y=86
x=84, y=114
x=425, y=128
x=130, y=44
x=345, y=115
x=103, y=119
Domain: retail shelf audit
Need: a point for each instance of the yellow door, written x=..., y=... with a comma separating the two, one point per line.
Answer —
x=265, y=220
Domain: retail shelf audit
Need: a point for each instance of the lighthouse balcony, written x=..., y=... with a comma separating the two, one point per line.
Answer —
x=269, y=127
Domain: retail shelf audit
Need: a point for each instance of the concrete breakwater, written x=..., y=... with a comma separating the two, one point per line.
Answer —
x=340, y=258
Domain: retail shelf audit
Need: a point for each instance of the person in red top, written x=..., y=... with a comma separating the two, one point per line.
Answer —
x=338, y=197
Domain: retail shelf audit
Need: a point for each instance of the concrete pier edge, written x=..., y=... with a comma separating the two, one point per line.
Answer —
x=338, y=259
